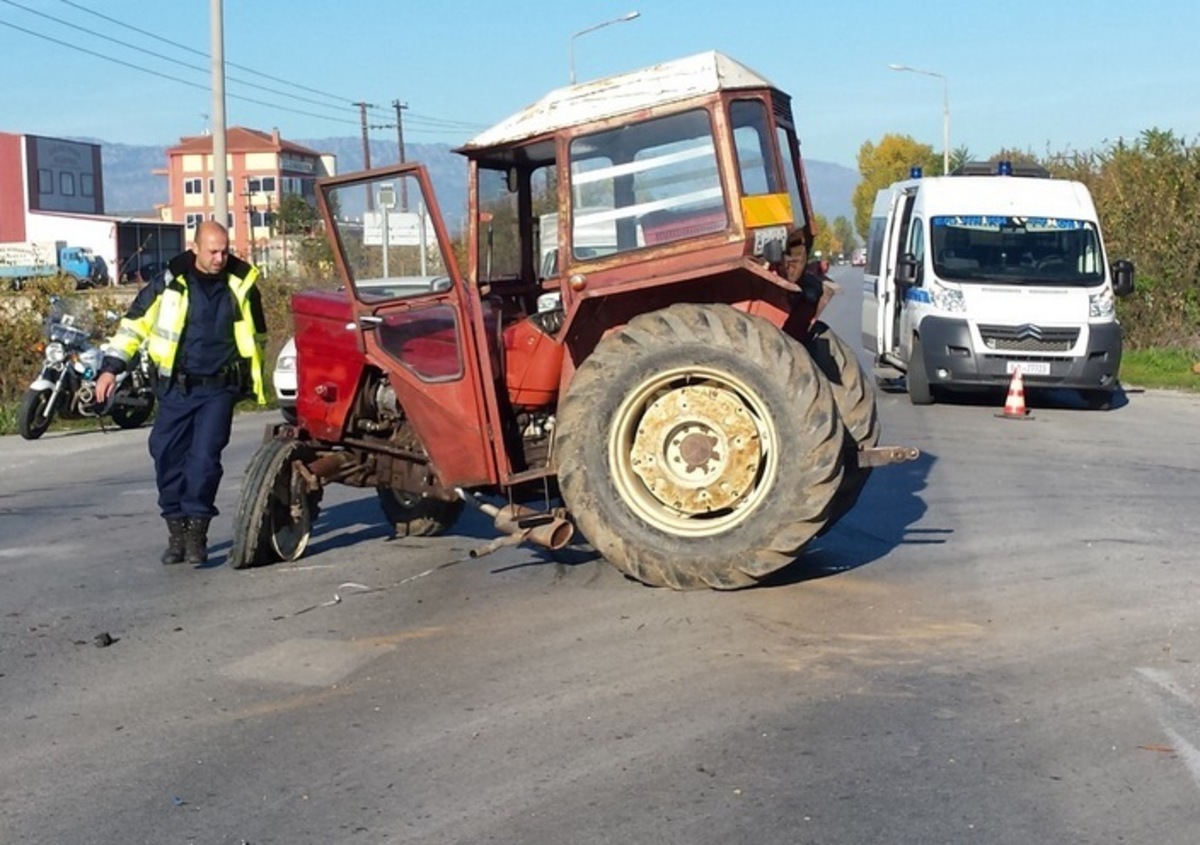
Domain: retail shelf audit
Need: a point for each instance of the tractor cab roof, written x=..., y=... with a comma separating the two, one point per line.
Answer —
x=613, y=96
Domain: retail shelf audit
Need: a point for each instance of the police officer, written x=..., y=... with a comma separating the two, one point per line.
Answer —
x=205, y=332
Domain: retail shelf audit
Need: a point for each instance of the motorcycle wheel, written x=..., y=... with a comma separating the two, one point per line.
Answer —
x=32, y=420
x=133, y=417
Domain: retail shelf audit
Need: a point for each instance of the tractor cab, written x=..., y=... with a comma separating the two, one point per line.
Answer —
x=683, y=181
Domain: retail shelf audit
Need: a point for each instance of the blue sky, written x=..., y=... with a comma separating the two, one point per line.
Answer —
x=1043, y=76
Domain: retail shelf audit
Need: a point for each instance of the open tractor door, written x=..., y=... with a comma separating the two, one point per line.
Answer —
x=632, y=346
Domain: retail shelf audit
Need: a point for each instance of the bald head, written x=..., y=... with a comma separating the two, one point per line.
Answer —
x=211, y=247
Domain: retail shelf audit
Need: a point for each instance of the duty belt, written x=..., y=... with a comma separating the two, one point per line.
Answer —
x=230, y=376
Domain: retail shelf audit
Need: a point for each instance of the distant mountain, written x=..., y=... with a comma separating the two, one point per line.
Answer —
x=831, y=189
x=130, y=187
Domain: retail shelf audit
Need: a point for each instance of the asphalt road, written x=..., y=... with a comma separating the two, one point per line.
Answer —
x=999, y=644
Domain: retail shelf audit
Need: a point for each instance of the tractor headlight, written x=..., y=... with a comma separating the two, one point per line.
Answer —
x=946, y=299
x=1101, y=305
x=55, y=353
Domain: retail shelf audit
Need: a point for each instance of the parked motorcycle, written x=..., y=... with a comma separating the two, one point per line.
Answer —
x=66, y=386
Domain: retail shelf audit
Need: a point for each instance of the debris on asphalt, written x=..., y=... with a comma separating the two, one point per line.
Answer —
x=105, y=639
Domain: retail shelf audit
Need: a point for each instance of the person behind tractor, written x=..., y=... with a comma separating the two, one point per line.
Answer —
x=204, y=329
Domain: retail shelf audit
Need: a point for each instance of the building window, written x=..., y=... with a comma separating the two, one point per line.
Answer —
x=259, y=219
x=87, y=185
x=66, y=184
x=193, y=220
x=192, y=186
x=45, y=181
x=261, y=184
x=293, y=185
x=228, y=185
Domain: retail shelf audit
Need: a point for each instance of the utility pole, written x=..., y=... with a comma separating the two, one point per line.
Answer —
x=399, y=107
x=246, y=195
x=366, y=142
x=217, y=39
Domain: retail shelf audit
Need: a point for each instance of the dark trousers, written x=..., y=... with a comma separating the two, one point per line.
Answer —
x=190, y=432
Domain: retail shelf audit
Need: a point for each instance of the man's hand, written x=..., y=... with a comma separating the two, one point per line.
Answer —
x=104, y=387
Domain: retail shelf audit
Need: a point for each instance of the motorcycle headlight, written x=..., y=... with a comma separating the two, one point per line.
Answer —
x=55, y=353
x=1101, y=305
x=947, y=299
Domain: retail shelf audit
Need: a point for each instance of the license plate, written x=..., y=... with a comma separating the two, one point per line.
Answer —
x=1029, y=368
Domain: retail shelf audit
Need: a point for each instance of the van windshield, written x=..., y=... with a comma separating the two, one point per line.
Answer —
x=1019, y=250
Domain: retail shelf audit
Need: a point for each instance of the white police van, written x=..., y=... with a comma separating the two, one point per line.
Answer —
x=973, y=276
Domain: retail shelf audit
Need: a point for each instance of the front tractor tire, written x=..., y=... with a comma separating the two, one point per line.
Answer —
x=699, y=447
x=275, y=511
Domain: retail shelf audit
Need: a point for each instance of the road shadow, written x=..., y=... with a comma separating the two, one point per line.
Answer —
x=879, y=522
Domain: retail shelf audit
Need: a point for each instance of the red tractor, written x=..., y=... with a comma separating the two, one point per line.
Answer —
x=635, y=336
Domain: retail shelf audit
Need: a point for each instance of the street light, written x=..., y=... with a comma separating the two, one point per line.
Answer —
x=626, y=17
x=945, y=111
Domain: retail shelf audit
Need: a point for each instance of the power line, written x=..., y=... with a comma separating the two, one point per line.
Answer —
x=190, y=49
x=174, y=61
x=418, y=123
x=431, y=123
x=168, y=76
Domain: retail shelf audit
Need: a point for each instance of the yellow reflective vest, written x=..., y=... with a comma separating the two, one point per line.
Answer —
x=158, y=314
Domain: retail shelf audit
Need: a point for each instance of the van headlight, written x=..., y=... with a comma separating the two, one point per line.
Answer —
x=286, y=363
x=1101, y=305
x=946, y=299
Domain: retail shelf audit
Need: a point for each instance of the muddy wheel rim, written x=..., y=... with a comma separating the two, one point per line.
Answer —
x=290, y=515
x=693, y=451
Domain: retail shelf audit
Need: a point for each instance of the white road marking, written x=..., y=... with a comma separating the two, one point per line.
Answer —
x=1176, y=712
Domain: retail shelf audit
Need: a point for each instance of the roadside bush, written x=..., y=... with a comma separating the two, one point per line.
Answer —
x=1148, y=195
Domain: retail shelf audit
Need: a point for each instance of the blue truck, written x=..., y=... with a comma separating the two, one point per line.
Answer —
x=23, y=262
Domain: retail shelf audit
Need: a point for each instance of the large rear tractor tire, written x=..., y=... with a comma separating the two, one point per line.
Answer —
x=416, y=516
x=699, y=447
x=855, y=400
x=275, y=512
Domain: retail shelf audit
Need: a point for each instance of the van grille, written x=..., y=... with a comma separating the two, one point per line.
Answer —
x=1028, y=338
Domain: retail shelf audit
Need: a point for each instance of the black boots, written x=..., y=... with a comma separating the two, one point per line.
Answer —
x=176, y=526
x=195, y=539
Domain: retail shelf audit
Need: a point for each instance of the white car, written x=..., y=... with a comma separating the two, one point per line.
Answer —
x=284, y=380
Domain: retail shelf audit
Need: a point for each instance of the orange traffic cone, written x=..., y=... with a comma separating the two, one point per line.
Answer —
x=1014, y=405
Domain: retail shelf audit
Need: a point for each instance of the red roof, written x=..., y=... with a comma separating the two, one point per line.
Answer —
x=239, y=139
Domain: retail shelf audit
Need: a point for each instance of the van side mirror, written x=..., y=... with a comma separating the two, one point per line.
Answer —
x=1122, y=273
x=907, y=270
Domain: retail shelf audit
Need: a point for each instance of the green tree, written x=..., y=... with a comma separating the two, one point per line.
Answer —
x=1147, y=193
x=823, y=242
x=843, y=233
x=295, y=216
x=881, y=165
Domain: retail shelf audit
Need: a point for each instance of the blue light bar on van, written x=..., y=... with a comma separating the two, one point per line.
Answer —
x=1004, y=168
x=914, y=172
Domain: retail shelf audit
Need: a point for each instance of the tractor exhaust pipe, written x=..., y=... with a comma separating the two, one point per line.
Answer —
x=520, y=524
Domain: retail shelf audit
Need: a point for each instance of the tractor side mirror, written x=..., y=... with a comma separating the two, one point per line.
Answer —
x=1122, y=272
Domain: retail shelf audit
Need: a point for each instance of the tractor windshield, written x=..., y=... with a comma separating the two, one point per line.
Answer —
x=644, y=184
